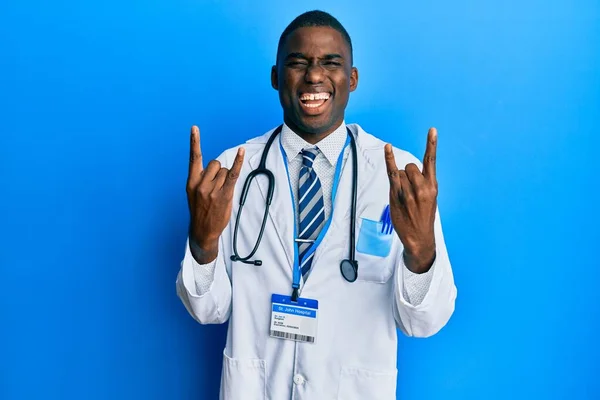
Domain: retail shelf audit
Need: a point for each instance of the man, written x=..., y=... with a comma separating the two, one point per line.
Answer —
x=300, y=325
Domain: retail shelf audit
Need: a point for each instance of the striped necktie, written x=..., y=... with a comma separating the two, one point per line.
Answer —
x=311, y=209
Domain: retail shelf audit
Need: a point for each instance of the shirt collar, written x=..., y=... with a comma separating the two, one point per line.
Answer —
x=331, y=146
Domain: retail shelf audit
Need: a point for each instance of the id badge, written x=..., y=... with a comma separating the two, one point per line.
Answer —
x=294, y=320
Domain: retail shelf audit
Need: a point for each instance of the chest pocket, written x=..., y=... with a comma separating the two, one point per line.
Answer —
x=373, y=250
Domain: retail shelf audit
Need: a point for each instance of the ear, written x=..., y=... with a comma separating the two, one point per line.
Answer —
x=353, y=79
x=274, y=78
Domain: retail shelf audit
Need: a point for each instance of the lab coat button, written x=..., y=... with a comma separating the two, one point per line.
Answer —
x=298, y=379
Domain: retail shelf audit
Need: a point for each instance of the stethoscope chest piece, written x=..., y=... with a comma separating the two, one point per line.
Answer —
x=349, y=269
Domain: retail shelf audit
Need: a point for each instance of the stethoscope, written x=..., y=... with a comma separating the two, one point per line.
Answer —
x=348, y=267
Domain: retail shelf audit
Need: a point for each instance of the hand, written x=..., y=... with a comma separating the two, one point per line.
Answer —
x=413, y=204
x=210, y=198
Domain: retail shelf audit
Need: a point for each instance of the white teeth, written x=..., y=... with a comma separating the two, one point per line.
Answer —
x=313, y=105
x=314, y=96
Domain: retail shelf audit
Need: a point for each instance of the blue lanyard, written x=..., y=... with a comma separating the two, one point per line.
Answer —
x=313, y=247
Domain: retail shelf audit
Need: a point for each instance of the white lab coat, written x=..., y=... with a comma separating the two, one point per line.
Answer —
x=354, y=356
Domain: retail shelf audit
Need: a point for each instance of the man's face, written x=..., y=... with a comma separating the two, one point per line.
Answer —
x=314, y=77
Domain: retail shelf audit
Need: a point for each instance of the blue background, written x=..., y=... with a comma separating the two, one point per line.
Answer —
x=96, y=101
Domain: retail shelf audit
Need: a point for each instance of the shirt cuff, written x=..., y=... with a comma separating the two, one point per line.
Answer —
x=204, y=275
x=416, y=286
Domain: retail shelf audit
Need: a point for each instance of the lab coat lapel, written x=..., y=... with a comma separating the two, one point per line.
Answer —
x=281, y=211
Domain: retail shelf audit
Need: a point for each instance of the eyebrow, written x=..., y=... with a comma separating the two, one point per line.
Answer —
x=325, y=57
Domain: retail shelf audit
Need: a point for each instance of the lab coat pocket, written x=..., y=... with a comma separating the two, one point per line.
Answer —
x=243, y=379
x=372, y=249
x=359, y=384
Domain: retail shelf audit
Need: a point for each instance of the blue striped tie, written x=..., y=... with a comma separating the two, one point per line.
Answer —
x=310, y=209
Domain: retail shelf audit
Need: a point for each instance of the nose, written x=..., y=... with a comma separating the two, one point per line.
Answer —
x=314, y=74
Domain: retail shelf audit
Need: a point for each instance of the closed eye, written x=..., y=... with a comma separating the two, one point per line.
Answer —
x=296, y=63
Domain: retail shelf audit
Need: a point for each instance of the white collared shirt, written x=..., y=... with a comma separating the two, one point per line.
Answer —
x=324, y=164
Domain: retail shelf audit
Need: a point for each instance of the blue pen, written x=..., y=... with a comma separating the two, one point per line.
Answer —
x=386, y=221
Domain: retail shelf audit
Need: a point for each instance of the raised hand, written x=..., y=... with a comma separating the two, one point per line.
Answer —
x=210, y=198
x=413, y=204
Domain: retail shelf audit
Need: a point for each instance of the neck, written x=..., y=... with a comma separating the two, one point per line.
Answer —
x=312, y=137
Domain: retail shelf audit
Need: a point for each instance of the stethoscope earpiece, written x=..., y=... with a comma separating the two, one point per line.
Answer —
x=253, y=262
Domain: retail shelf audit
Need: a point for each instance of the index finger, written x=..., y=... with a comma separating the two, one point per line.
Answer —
x=390, y=163
x=196, y=167
x=430, y=154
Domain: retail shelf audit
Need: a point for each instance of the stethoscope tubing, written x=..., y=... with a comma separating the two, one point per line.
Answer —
x=348, y=267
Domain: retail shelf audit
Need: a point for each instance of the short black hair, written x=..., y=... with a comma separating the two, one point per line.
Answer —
x=314, y=18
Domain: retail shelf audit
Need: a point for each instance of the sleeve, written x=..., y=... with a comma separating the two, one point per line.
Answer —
x=426, y=317
x=204, y=274
x=209, y=302
x=416, y=286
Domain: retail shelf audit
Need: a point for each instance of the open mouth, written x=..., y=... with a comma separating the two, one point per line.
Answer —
x=314, y=102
